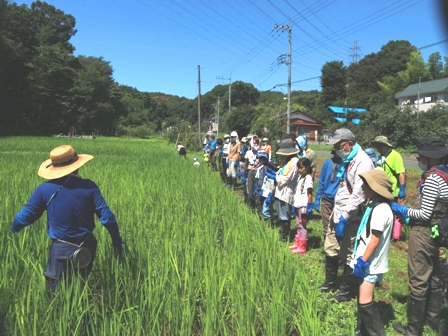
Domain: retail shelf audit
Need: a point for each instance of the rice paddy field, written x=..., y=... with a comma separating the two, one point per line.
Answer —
x=197, y=261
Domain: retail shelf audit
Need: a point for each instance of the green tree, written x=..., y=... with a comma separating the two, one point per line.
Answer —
x=435, y=65
x=333, y=82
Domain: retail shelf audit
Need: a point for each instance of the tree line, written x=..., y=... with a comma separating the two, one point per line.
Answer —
x=45, y=89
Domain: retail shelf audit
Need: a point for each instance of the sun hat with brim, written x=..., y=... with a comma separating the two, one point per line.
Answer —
x=62, y=162
x=341, y=134
x=381, y=139
x=379, y=182
x=265, y=139
x=287, y=147
x=244, y=139
x=432, y=147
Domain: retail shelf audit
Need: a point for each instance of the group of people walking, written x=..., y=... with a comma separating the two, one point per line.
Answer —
x=360, y=196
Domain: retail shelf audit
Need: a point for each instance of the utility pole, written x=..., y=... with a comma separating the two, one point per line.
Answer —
x=289, y=62
x=230, y=88
x=418, y=96
x=199, y=106
x=217, y=122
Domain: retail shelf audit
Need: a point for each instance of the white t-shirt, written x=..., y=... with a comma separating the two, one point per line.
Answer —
x=381, y=220
x=252, y=158
x=301, y=196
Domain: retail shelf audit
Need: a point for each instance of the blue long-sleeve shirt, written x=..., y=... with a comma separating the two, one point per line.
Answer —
x=70, y=212
x=328, y=182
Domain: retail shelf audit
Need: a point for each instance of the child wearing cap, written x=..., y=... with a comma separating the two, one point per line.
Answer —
x=371, y=251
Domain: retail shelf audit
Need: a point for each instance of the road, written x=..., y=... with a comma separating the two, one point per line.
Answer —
x=408, y=159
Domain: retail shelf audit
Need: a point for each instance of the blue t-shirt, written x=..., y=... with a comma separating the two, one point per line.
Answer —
x=70, y=208
x=328, y=182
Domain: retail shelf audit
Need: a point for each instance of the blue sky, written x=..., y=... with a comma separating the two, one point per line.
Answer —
x=156, y=46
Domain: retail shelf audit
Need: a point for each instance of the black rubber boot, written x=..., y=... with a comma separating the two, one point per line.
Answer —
x=444, y=276
x=371, y=322
x=416, y=312
x=349, y=287
x=284, y=231
x=331, y=274
x=433, y=310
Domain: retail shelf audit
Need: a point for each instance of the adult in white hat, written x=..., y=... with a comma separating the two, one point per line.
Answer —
x=71, y=203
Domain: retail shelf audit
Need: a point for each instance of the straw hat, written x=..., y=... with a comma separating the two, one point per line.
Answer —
x=62, y=162
x=287, y=147
x=379, y=182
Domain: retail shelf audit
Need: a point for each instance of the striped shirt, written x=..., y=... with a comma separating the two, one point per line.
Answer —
x=435, y=189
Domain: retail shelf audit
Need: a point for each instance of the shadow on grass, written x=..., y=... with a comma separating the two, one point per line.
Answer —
x=386, y=311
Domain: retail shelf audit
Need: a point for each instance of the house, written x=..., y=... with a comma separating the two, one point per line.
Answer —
x=340, y=113
x=302, y=123
x=423, y=96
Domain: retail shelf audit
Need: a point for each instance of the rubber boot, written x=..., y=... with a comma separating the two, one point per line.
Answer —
x=371, y=322
x=444, y=276
x=349, y=287
x=295, y=244
x=416, y=312
x=233, y=185
x=331, y=274
x=303, y=245
x=284, y=231
x=433, y=310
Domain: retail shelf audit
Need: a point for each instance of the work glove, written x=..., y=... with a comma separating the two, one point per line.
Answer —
x=340, y=227
x=360, y=268
x=401, y=211
x=118, y=247
x=15, y=228
x=235, y=164
x=316, y=205
x=309, y=208
x=269, y=199
x=402, y=192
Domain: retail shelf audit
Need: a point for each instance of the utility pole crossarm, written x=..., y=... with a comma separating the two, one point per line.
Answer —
x=289, y=63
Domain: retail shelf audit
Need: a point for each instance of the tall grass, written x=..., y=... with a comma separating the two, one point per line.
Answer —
x=196, y=261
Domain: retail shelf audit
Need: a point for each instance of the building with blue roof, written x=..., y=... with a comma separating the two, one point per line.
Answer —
x=340, y=113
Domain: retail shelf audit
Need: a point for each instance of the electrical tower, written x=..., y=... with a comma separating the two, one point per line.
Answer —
x=355, y=55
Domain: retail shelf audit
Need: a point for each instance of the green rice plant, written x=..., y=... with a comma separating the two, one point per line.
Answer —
x=196, y=260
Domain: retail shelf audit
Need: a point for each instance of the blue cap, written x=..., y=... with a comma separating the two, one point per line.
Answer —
x=372, y=154
x=263, y=155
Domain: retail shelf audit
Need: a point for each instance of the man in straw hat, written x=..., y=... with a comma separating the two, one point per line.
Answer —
x=286, y=179
x=71, y=203
x=424, y=266
x=345, y=219
x=371, y=250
